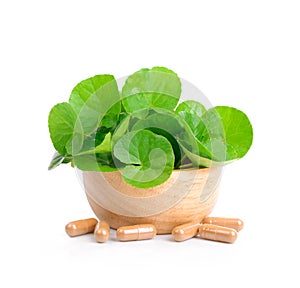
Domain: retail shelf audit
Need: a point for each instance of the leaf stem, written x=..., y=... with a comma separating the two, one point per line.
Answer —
x=189, y=165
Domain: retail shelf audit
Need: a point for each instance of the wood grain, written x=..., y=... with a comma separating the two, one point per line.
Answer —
x=188, y=196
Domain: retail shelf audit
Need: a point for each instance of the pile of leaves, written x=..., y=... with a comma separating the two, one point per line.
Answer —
x=143, y=130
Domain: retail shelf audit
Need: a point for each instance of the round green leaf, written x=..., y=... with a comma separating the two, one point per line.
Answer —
x=65, y=128
x=191, y=111
x=226, y=132
x=148, y=88
x=97, y=102
x=192, y=107
x=148, y=157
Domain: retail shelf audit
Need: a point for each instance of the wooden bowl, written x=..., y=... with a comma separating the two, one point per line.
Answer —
x=188, y=195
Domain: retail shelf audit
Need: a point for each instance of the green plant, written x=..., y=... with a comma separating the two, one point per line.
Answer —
x=142, y=130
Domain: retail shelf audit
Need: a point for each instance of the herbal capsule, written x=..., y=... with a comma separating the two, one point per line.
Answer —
x=185, y=231
x=217, y=233
x=234, y=223
x=81, y=227
x=102, y=231
x=136, y=232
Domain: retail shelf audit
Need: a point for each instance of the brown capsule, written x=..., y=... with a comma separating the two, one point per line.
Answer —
x=136, y=232
x=81, y=227
x=217, y=233
x=234, y=223
x=102, y=231
x=185, y=231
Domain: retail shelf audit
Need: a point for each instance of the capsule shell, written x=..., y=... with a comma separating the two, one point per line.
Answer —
x=234, y=223
x=217, y=233
x=136, y=232
x=81, y=227
x=102, y=231
x=185, y=231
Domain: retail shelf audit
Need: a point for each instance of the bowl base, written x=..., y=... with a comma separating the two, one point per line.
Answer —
x=164, y=222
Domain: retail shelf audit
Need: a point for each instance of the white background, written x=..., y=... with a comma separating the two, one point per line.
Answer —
x=244, y=54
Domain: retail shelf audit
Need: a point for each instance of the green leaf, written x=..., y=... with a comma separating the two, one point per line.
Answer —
x=148, y=157
x=167, y=121
x=178, y=153
x=122, y=129
x=64, y=127
x=148, y=88
x=191, y=111
x=110, y=119
x=191, y=107
x=96, y=100
x=200, y=161
x=105, y=145
x=94, y=140
x=174, y=125
x=58, y=159
x=226, y=132
x=99, y=162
